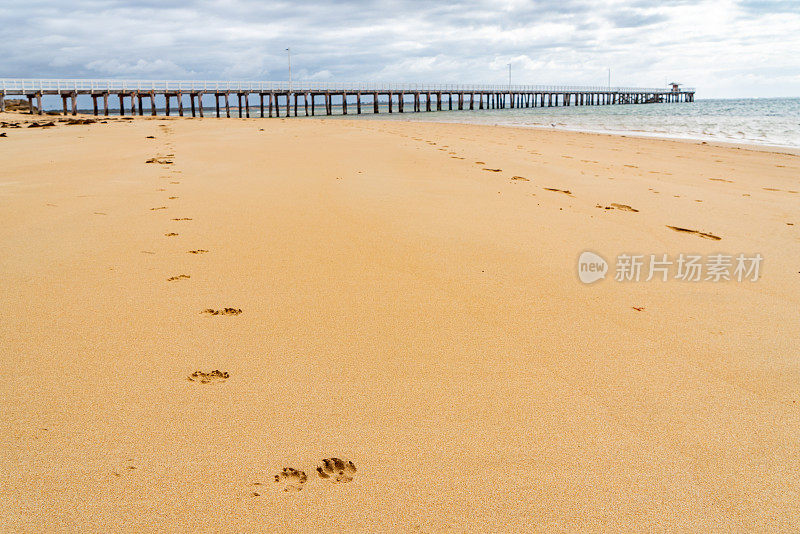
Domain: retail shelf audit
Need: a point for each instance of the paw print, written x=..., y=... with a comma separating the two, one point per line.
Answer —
x=337, y=469
x=292, y=479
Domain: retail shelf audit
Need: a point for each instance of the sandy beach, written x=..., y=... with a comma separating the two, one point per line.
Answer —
x=409, y=302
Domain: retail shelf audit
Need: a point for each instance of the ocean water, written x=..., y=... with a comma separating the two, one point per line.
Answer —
x=762, y=121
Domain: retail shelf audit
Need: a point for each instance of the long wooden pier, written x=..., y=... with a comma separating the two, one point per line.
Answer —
x=280, y=99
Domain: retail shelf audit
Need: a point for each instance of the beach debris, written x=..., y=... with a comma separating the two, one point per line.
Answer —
x=179, y=277
x=170, y=234
x=19, y=104
x=696, y=232
x=492, y=170
x=292, y=479
x=197, y=251
x=638, y=308
x=223, y=311
x=337, y=469
x=206, y=378
x=182, y=219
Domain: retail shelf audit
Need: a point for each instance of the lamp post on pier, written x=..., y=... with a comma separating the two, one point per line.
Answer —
x=289, y=57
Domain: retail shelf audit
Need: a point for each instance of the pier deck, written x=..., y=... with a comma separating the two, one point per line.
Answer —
x=307, y=98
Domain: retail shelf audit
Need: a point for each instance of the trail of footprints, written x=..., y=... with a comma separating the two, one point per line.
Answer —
x=200, y=377
x=289, y=479
x=567, y=192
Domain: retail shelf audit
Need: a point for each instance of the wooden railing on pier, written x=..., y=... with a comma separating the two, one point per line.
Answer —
x=304, y=97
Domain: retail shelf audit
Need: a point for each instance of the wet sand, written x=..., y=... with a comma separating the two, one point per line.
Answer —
x=403, y=296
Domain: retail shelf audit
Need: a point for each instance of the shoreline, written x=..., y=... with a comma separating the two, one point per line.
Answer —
x=794, y=150
x=763, y=147
x=759, y=147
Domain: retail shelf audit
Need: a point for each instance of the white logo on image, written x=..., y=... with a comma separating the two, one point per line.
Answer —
x=591, y=267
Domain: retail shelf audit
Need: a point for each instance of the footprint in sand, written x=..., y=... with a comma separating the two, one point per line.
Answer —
x=179, y=277
x=160, y=161
x=783, y=190
x=208, y=378
x=492, y=170
x=223, y=311
x=520, y=178
x=197, y=251
x=565, y=191
x=291, y=478
x=158, y=208
x=127, y=467
x=624, y=207
x=336, y=469
x=170, y=234
x=255, y=493
x=688, y=231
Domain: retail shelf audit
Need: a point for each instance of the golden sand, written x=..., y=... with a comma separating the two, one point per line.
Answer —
x=402, y=296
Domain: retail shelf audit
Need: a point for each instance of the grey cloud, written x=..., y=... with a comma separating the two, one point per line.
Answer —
x=763, y=7
x=634, y=19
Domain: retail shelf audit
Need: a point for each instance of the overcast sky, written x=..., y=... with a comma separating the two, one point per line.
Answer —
x=725, y=48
